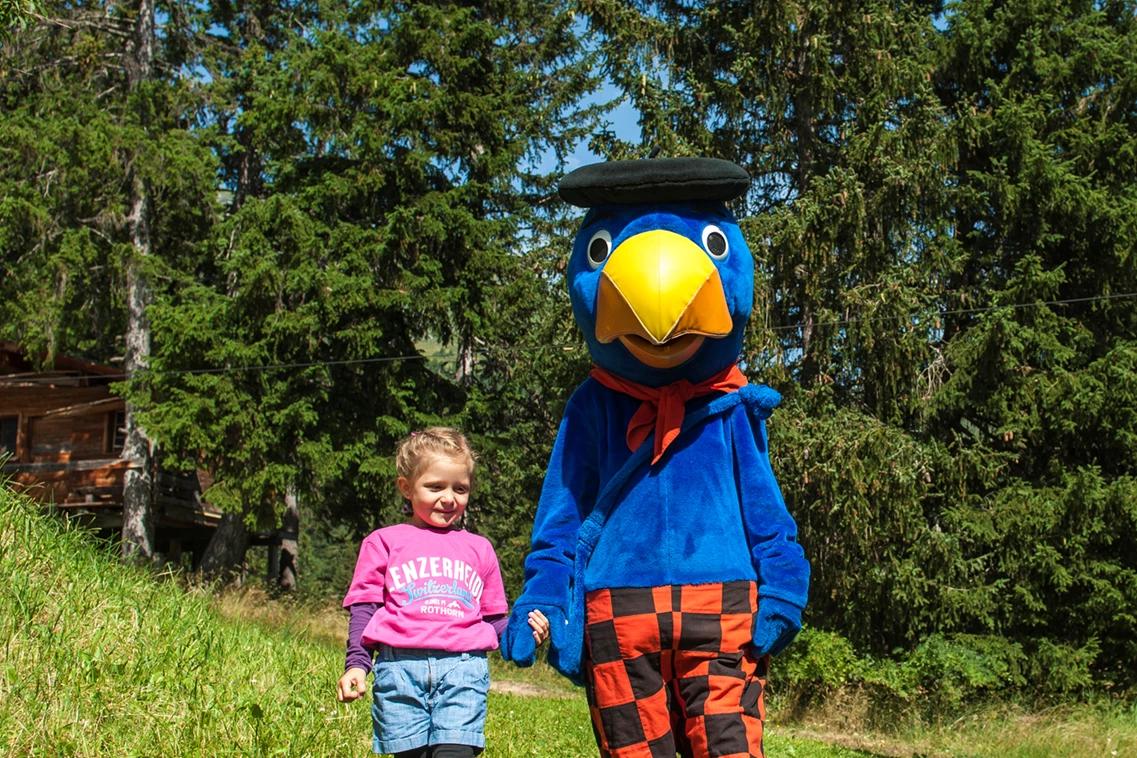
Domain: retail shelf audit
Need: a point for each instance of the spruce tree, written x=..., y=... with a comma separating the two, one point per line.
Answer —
x=1040, y=403
x=954, y=469
x=382, y=163
x=138, y=514
x=832, y=110
x=104, y=190
x=61, y=199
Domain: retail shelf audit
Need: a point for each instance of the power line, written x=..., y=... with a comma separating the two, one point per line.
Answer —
x=229, y=369
x=314, y=364
x=870, y=319
x=958, y=312
x=530, y=348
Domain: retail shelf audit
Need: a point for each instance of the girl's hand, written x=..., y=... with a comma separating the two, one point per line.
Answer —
x=351, y=685
x=540, y=626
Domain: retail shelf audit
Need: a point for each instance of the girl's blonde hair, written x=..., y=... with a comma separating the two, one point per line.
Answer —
x=416, y=451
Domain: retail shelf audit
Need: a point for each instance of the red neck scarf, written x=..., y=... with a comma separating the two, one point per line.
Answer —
x=664, y=407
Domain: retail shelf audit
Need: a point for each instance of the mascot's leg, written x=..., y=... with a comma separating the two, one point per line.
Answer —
x=669, y=670
x=720, y=685
x=627, y=646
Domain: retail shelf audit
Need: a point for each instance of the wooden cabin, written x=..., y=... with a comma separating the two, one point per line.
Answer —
x=61, y=440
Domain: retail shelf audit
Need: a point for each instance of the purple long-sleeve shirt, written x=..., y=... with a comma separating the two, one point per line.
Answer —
x=359, y=656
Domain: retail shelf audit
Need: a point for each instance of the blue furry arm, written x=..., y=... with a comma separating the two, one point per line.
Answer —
x=568, y=495
x=783, y=571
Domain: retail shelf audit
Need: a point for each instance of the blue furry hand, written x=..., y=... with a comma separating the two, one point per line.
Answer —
x=518, y=643
x=777, y=624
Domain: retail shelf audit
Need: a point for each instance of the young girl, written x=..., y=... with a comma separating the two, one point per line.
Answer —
x=428, y=598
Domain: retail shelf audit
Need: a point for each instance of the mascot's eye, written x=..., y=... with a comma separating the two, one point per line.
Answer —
x=714, y=242
x=599, y=247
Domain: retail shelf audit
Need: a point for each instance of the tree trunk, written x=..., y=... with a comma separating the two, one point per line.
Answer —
x=809, y=364
x=290, y=531
x=802, y=98
x=805, y=140
x=249, y=169
x=226, y=551
x=272, y=574
x=464, y=372
x=138, y=516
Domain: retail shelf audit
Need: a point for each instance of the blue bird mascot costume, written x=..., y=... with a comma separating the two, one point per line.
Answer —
x=663, y=553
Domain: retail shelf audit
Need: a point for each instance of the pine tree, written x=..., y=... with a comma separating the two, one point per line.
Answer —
x=1041, y=399
x=913, y=169
x=117, y=193
x=382, y=164
x=832, y=110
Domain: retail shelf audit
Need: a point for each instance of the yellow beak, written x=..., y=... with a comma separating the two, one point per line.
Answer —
x=661, y=295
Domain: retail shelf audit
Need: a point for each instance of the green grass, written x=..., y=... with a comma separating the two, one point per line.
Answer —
x=522, y=726
x=99, y=659
x=103, y=660
x=1103, y=727
x=1097, y=730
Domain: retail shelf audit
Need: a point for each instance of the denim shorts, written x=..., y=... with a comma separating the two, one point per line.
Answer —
x=428, y=697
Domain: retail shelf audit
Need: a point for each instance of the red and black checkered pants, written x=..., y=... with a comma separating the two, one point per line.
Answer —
x=669, y=669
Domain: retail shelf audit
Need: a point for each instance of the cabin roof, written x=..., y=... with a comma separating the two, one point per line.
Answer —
x=17, y=367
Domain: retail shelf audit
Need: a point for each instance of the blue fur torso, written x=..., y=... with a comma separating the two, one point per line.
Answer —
x=709, y=510
x=677, y=522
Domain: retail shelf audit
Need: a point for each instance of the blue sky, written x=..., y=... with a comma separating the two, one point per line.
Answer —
x=623, y=121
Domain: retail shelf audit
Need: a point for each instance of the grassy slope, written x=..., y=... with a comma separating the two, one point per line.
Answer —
x=100, y=660
x=1106, y=728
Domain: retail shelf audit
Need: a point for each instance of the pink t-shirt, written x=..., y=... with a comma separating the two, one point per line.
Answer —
x=436, y=585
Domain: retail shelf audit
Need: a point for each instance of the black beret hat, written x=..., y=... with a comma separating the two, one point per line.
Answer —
x=654, y=180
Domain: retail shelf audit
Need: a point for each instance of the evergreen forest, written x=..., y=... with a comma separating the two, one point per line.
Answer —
x=305, y=229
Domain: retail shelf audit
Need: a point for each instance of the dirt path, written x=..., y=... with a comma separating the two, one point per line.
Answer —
x=877, y=745
x=525, y=689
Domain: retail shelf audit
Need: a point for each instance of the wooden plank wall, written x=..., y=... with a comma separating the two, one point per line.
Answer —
x=67, y=459
x=39, y=440
x=96, y=481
